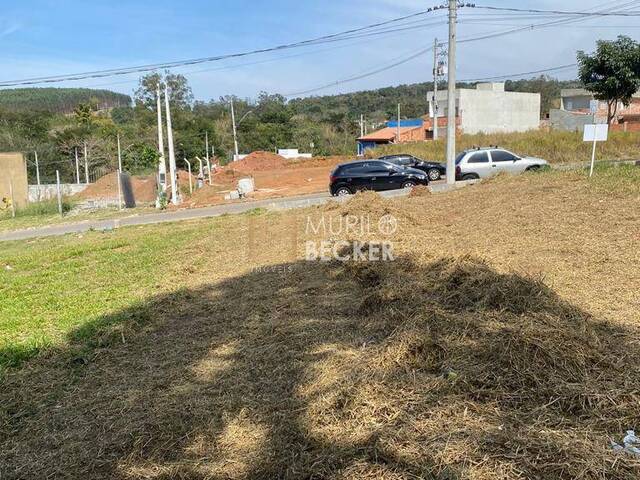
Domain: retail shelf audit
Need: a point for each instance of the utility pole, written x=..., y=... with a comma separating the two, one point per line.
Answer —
x=172, y=155
x=77, y=167
x=206, y=145
x=361, y=125
x=86, y=165
x=435, y=89
x=162, y=166
x=119, y=174
x=451, y=100
x=37, y=170
x=398, y=126
x=235, y=133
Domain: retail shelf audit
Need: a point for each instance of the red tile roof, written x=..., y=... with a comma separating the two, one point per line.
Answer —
x=387, y=134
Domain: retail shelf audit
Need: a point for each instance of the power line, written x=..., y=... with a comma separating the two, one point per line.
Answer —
x=363, y=75
x=521, y=74
x=486, y=36
x=560, y=12
x=341, y=36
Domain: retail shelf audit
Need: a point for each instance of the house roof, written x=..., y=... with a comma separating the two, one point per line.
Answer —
x=387, y=134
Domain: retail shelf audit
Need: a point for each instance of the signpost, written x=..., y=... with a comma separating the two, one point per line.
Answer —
x=595, y=133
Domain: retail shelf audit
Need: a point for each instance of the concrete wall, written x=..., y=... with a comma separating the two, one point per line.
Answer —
x=13, y=171
x=39, y=193
x=562, y=120
x=491, y=111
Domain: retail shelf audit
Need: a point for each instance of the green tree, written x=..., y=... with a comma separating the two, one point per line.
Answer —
x=612, y=73
x=180, y=94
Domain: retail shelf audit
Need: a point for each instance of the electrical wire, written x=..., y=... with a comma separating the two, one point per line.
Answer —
x=560, y=12
x=341, y=36
x=522, y=74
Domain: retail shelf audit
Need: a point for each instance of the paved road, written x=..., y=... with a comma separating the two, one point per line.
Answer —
x=188, y=214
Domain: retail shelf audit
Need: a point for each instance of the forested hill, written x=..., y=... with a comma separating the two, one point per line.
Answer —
x=59, y=100
x=382, y=103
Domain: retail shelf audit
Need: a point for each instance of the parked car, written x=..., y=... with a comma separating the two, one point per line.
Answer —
x=377, y=175
x=434, y=170
x=485, y=162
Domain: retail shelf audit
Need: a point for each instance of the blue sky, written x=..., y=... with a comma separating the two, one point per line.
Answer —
x=50, y=37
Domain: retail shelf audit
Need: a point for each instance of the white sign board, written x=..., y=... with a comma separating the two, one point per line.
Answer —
x=596, y=133
x=594, y=105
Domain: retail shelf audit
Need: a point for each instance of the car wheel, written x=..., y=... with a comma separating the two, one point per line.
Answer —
x=433, y=174
x=409, y=184
x=533, y=168
x=470, y=176
x=343, y=191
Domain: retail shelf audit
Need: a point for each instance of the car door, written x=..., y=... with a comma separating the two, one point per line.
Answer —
x=479, y=163
x=504, y=161
x=381, y=175
x=356, y=176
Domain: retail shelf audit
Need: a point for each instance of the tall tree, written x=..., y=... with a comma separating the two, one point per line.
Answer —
x=180, y=94
x=612, y=73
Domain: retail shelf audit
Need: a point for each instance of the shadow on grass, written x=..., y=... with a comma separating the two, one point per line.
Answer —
x=307, y=370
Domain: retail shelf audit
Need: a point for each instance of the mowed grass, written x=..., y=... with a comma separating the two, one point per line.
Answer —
x=501, y=343
x=52, y=287
x=554, y=146
x=43, y=215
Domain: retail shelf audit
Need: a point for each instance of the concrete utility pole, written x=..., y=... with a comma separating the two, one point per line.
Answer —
x=235, y=133
x=398, y=126
x=162, y=166
x=189, y=170
x=451, y=100
x=37, y=170
x=172, y=155
x=119, y=173
x=58, y=192
x=86, y=165
x=206, y=145
x=435, y=89
x=77, y=167
x=361, y=125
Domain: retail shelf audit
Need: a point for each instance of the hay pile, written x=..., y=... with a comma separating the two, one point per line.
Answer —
x=473, y=374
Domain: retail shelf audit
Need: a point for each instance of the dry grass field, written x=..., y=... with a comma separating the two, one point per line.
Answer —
x=502, y=342
x=555, y=146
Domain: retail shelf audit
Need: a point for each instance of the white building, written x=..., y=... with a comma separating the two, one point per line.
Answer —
x=489, y=109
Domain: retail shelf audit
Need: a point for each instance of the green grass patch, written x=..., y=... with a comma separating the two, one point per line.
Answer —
x=38, y=209
x=58, y=290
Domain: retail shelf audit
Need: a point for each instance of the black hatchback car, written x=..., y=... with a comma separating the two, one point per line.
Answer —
x=434, y=170
x=377, y=175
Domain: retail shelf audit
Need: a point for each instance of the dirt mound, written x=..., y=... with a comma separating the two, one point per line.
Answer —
x=258, y=161
x=371, y=205
x=328, y=161
x=106, y=188
x=420, y=191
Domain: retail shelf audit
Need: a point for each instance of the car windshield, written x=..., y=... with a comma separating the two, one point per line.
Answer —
x=460, y=157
